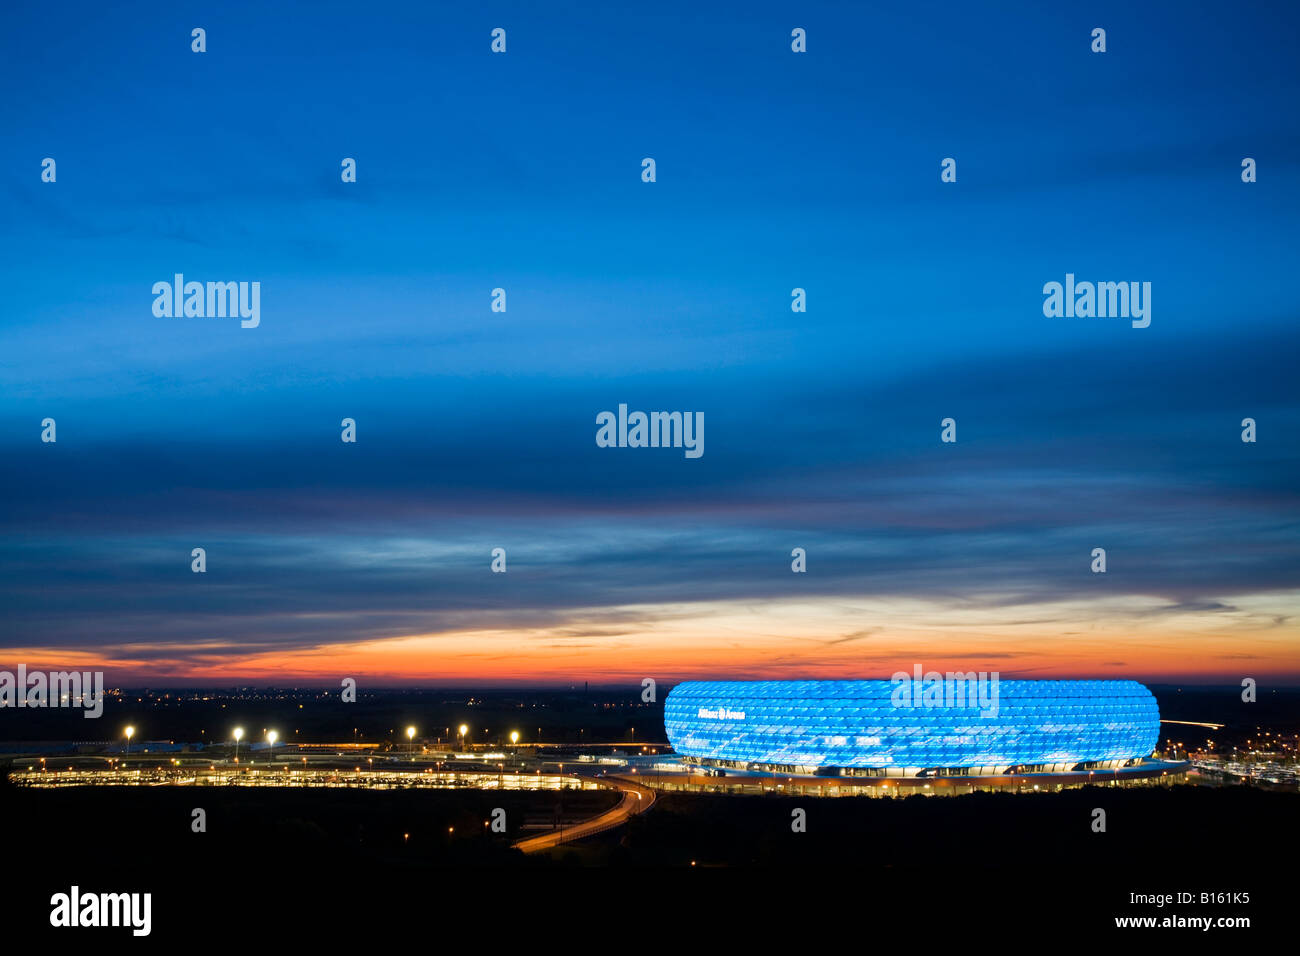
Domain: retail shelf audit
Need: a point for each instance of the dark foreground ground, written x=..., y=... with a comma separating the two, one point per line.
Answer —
x=332, y=863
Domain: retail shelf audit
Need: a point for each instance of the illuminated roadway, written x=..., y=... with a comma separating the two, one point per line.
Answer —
x=636, y=799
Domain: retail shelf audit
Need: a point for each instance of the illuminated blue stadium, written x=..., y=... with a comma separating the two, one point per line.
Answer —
x=856, y=724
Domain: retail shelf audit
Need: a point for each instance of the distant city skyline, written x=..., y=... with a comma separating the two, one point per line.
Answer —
x=476, y=429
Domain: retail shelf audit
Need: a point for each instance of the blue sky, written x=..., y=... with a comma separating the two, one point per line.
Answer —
x=476, y=429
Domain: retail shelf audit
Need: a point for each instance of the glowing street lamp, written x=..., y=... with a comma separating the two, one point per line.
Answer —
x=463, y=731
x=130, y=732
x=514, y=736
x=270, y=739
x=239, y=734
x=410, y=735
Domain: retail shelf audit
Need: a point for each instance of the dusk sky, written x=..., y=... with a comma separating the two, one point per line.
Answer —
x=476, y=429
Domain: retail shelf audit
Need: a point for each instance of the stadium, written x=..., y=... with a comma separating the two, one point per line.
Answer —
x=918, y=730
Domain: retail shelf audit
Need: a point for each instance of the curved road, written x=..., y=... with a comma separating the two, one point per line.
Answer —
x=637, y=798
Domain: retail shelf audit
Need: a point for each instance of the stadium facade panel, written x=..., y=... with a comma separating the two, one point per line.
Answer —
x=862, y=724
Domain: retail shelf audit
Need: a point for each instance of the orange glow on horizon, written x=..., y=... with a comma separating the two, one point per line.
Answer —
x=832, y=638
